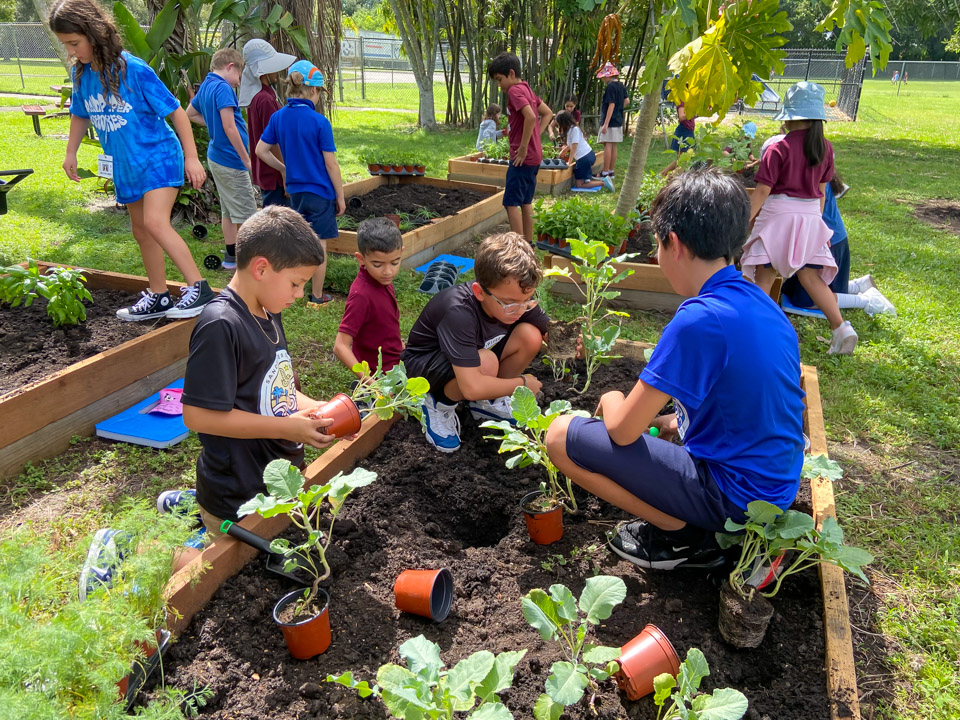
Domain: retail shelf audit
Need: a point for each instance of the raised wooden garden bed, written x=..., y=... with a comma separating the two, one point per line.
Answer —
x=426, y=242
x=486, y=584
x=552, y=182
x=38, y=420
x=647, y=289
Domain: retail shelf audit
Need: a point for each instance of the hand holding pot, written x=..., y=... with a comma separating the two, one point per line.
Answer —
x=308, y=429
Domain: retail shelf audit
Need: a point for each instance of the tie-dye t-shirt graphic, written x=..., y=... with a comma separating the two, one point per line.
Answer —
x=132, y=128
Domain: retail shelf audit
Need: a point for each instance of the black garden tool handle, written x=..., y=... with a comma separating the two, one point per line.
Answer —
x=243, y=535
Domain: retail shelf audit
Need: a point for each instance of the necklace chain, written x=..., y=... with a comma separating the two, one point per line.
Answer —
x=276, y=340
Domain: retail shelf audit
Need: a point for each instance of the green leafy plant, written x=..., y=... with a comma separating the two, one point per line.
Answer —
x=426, y=689
x=597, y=273
x=770, y=532
x=685, y=700
x=390, y=392
x=63, y=288
x=529, y=438
x=650, y=187
x=346, y=222
x=559, y=369
x=557, y=616
x=285, y=483
x=566, y=218
x=726, y=152
x=498, y=149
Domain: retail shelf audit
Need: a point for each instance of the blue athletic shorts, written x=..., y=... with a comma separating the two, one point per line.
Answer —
x=680, y=134
x=658, y=472
x=318, y=211
x=275, y=197
x=521, y=185
x=583, y=170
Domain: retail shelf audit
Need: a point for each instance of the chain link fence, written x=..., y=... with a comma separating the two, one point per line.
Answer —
x=28, y=60
x=939, y=70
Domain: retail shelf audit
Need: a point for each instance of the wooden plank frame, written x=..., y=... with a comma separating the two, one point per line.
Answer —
x=193, y=586
x=37, y=421
x=424, y=243
x=549, y=182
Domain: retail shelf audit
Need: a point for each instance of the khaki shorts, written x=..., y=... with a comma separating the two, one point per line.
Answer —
x=212, y=523
x=237, y=201
x=611, y=135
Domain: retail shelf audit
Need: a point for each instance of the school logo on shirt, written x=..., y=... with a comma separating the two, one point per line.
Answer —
x=683, y=419
x=104, y=112
x=493, y=341
x=278, y=394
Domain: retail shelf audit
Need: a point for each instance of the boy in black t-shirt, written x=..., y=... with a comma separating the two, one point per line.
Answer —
x=473, y=341
x=239, y=392
x=615, y=101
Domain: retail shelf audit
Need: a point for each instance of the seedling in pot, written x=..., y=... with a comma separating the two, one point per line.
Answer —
x=285, y=483
x=557, y=616
x=528, y=436
x=687, y=702
x=426, y=689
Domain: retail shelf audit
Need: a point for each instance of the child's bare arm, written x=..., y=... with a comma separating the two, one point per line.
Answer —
x=333, y=169
x=343, y=350
x=243, y=425
x=233, y=135
x=476, y=386
x=627, y=418
x=266, y=153
x=194, y=116
x=191, y=161
x=78, y=128
x=529, y=122
x=606, y=119
x=546, y=115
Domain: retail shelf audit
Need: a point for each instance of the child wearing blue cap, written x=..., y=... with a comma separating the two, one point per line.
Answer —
x=309, y=167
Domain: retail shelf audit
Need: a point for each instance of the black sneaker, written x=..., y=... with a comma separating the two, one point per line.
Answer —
x=645, y=545
x=192, y=299
x=149, y=306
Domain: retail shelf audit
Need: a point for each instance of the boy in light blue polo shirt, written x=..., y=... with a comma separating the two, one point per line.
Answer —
x=216, y=106
x=730, y=361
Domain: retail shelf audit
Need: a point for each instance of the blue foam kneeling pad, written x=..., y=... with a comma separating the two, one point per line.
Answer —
x=138, y=426
x=464, y=264
x=789, y=307
x=598, y=188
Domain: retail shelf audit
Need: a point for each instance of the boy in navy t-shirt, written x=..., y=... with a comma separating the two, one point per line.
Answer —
x=730, y=361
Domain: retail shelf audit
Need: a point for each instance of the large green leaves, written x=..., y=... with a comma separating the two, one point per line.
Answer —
x=282, y=479
x=467, y=674
x=163, y=26
x=723, y=704
x=862, y=24
x=600, y=595
x=524, y=406
x=565, y=684
x=135, y=39
x=815, y=466
x=342, y=485
x=540, y=611
x=422, y=656
x=500, y=676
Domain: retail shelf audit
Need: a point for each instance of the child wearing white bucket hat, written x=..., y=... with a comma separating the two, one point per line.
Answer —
x=789, y=235
x=262, y=67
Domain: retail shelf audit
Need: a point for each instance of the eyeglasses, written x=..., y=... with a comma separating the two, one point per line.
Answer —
x=513, y=308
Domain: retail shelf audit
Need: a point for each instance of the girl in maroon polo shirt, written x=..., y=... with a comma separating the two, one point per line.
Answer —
x=789, y=235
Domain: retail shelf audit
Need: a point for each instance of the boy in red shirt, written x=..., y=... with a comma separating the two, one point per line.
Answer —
x=529, y=117
x=371, y=318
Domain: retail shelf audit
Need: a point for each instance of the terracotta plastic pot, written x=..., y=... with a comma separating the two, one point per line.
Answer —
x=649, y=654
x=474, y=158
x=346, y=416
x=398, y=168
x=542, y=237
x=562, y=242
x=409, y=168
x=149, y=651
x=428, y=593
x=420, y=169
x=653, y=260
x=545, y=527
x=311, y=636
x=373, y=167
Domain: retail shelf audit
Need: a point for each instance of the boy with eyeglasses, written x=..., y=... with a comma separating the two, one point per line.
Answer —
x=473, y=341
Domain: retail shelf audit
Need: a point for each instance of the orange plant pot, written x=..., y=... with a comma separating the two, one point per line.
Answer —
x=307, y=638
x=395, y=219
x=428, y=593
x=545, y=527
x=398, y=168
x=346, y=416
x=649, y=654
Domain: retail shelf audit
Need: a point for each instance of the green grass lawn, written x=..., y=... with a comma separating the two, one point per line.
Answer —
x=38, y=76
x=891, y=410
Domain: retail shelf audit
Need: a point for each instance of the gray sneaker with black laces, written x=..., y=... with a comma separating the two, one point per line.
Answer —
x=191, y=302
x=151, y=305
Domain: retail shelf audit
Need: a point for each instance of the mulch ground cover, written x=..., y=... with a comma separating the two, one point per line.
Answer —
x=31, y=348
x=408, y=198
x=461, y=511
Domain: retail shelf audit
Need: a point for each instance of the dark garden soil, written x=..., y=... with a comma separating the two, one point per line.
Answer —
x=942, y=214
x=748, y=177
x=642, y=243
x=31, y=348
x=460, y=511
x=408, y=198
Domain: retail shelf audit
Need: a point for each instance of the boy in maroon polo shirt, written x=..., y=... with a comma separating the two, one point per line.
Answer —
x=371, y=319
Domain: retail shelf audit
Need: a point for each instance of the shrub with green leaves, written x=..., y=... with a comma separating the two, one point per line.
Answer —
x=686, y=702
x=285, y=483
x=567, y=218
x=557, y=616
x=391, y=391
x=597, y=273
x=63, y=288
x=498, y=149
x=426, y=689
x=528, y=436
x=770, y=532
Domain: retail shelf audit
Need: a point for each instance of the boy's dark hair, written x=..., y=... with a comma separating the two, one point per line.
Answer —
x=224, y=56
x=502, y=64
x=378, y=235
x=280, y=235
x=708, y=210
x=837, y=183
x=504, y=256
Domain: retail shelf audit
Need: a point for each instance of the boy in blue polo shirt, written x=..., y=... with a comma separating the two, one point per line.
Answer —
x=215, y=105
x=729, y=360
x=309, y=167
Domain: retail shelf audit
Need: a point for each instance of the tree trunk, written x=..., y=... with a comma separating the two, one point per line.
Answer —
x=43, y=11
x=646, y=121
x=420, y=43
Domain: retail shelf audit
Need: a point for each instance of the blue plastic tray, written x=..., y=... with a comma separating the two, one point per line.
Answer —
x=136, y=425
x=465, y=264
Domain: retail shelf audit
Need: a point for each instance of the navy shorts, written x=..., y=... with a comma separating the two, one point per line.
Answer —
x=658, y=472
x=840, y=284
x=583, y=169
x=274, y=197
x=680, y=134
x=521, y=185
x=318, y=211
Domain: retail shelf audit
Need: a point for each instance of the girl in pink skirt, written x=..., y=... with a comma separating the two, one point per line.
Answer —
x=789, y=235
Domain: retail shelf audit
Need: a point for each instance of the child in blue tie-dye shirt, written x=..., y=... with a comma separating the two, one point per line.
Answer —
x=126, y=103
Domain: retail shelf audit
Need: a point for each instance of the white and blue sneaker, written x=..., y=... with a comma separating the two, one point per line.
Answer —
x=441, y=424
x=170, y=499
x=107, y=550
x=497, y=409
x=608, y=183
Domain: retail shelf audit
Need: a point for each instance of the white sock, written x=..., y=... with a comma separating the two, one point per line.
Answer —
x=847, y=301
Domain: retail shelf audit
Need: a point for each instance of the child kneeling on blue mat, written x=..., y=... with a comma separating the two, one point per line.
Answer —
x=729, y=359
